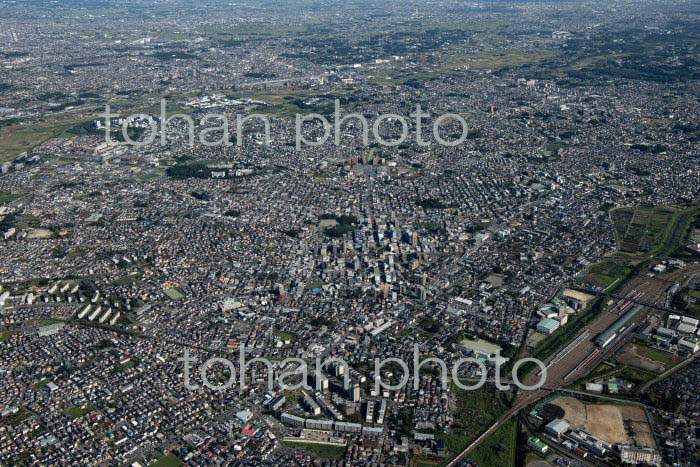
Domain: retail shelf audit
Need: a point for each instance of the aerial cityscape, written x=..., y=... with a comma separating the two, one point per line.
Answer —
x=360, y=233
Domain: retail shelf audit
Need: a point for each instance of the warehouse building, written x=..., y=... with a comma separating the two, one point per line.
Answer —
x=556, y=428
x=609, y=335
x=666, y=332
x=537, y=445
x=577, y=300
x=689, y=344
x=590, y=442
x=548, y=326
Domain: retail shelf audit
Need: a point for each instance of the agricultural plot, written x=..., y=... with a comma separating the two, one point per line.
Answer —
x=639, y=229
x=651, y=229
x=605, y=422
x=637, y=425
x=9, y=197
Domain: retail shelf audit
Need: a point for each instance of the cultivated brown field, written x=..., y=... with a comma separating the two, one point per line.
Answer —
x=605, y=422
x=642, y=434
x=574, y=411
x=632, y=412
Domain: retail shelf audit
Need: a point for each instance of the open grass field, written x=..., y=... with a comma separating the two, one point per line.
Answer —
x=499, y=448
x=646, y=358
x=635, y=375
x=41, y=384
x=5, y=335
x=535, y=338
x=474, y=412
x=173, y=294
x=167, y=461
x=46, y=322
x=605, y=273
x=422, y=461
x=77, y=412
x=283, y=335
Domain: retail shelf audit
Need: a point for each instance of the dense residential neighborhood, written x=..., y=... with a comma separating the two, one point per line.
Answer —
x=198, y=275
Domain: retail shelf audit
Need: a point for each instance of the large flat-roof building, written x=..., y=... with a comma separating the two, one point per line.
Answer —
x=607, y=336
x=548, y=325
x=577, y=300
x=556, y=428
